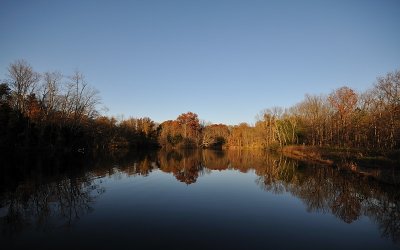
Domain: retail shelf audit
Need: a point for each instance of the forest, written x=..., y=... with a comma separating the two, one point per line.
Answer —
x=54, y=113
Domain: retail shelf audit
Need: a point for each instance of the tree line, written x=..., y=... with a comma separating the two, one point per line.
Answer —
x=343, y=118
x=51, y=111
x=58, y=113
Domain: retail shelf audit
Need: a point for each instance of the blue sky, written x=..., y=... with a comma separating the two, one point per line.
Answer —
x=224, y=60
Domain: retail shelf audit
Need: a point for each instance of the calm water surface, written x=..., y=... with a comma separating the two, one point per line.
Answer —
x=194, y=200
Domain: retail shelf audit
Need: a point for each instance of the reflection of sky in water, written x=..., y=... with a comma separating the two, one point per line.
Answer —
x=220, y=205
x=221, y=209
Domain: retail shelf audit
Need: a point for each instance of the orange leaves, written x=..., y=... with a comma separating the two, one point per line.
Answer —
x=344, y=100
x=32, y=108
x=190, y=120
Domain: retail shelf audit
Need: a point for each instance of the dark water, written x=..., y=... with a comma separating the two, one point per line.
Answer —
x=194, y=200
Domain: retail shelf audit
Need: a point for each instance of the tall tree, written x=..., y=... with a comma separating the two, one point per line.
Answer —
x=23, y=82
x=190, y=124
x=50, y=97
x=388, y=94
x=344, y=101
x=215, y=135
x=313, y=114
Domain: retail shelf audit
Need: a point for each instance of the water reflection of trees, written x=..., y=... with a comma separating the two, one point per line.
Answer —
x=325, y=189
x=53, y=204
x=349, y=197
x=185, y=165
x=322, y=189
x=47, y=202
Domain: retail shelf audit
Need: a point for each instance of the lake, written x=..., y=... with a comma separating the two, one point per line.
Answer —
x=200, y=199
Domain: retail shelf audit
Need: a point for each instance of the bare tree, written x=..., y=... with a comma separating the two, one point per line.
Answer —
x=80, y=100
x=343, y=101
x=50, y=92
x=388, y=94
x=23, y=82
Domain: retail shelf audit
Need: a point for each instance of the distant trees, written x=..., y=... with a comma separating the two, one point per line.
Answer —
x=312, y=114
x=55, y=111
x=80, y=99
x=190, y=125
x=139, y=132
x=215, y=136
x=346, y=119
x=387, y=91
x=185, y=131
x=343, y=101
x=277, y=127
x=23, y=81
x=52, y=112
x=73, y=99
x=243, y=136
x=50, y=92
x=169, y=134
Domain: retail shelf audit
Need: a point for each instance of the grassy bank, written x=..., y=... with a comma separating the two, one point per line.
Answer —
x=384, y=166
x=337, y=156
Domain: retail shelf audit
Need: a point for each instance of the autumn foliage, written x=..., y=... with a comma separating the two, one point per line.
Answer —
x=54, y=112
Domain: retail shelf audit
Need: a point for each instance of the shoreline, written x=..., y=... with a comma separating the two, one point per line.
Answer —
x=336, y=156
x=367, y=164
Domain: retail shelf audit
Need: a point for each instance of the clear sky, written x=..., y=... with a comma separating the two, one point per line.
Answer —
x=224, y=60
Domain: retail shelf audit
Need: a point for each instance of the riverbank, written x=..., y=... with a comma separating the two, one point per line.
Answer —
x=362, y=162
x=336, y=156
